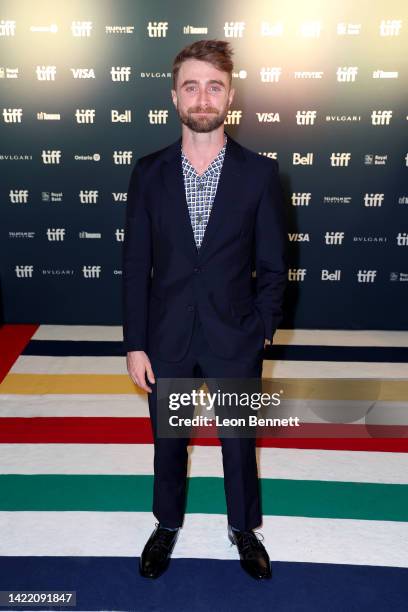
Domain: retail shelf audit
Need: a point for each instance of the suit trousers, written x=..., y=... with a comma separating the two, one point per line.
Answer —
x=241, y=482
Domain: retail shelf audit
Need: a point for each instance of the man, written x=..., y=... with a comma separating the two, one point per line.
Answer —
x=201, y=215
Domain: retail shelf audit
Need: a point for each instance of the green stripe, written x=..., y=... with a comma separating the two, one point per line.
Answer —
x=110, y=493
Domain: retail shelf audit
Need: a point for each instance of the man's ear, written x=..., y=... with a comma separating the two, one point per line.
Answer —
x=231, y=95
x=174, y=97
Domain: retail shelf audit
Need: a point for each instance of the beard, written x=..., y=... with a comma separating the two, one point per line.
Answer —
x=203, y=123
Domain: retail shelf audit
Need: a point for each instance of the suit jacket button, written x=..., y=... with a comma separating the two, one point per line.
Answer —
x=190, y=307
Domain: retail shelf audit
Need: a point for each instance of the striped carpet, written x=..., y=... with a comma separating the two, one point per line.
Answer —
x=76, y=461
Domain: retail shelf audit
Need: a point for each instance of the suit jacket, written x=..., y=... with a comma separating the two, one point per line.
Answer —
x=165, y=277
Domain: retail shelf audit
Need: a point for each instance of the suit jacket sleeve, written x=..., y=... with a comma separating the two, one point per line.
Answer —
x=136, y=265
x=271, y=253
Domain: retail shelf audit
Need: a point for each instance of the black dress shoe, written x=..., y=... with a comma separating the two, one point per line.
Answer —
x=156, y=554
x=254, y=558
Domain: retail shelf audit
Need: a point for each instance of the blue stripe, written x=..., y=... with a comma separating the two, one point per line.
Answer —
x=95, y=348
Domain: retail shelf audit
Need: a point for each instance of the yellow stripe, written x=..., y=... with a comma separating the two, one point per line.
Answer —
x=294, y=388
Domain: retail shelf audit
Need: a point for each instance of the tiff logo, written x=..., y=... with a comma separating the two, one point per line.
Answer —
x=51, y=157
x=234, y=29
x=121, y=158
x=233, y=117
x=270, y=74
x=373, y=199
x=296, y=274
x=91, y=271
x=85, y=115
x=120, y=73
x=88, y=196
x=390, y=27
x=347, y=74
x=305, y=117
x=81, y=28
x=301, y=198
x=12, y=115
x=120, y=235
x=7, y=27
x=402, y=239
x=24, y=271
x=366, y=276
x=46, y=73
x=158, y=116
x=55, y=234
x=381, y=117
x=334, y=238
x=340, y=159
x=157, y=29
x=18, y=196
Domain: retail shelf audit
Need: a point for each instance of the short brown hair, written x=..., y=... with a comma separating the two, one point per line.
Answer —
x=216, y=52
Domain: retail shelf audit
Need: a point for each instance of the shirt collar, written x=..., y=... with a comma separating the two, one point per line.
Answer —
x=213, y=168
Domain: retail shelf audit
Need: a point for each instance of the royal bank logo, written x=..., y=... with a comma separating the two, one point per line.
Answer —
x=83, y=73
x=81, y=29
x=121, y=158
x=308, y=74
x=297, y=274
x=268, y=117
x=88, y=196
x=366, y=276
x=189, y=29
x=85, y=115
x=381, y=117
x=270, y=74
x=337, y=200
x=343, y=118
x=51, y=156
x=403, y=199
x=348, y=29
x=233, y=117
x=301, y=198
x=18, y=196
x=41, y=116
x=234, y=29
x=302, y=160
x=272, y=30
x=120, y=74
x=390, y=27
x=402, y=239
x=157, y=29
x=55, y=234
x=334, y=238
x=346, y=74
x=21, y=235
x=24, y=271
x=7, y=27
x=118, y=117
x=310, y=29
x=119, y=196
x=8, y=73
x=158, y=116
x=370, y=159
x=90, y=235
x=373, y=199
x=12, y=115
x=119, y=29
x=305, y=117
x=91, y=271
x=340, y=159
x=334, y=276
x=385, y=74
x=119, y=235
x=51, y=196
x=46, y=73
x=298, y=237
x=399, y=276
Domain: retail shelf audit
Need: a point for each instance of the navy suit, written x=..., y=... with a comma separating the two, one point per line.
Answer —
x=200, y=312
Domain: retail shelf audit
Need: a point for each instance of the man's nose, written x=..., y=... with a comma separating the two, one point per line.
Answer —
x=203, y=98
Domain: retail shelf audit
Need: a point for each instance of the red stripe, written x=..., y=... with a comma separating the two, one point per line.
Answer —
x=137, y=430
x=13, y=340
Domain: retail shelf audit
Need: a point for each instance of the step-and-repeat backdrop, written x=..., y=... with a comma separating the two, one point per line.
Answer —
x=322, y=87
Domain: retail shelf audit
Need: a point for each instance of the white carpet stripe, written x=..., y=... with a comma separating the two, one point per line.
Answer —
x=337, y=337
x=30, y=364
x=203, y=536
x=125, y=459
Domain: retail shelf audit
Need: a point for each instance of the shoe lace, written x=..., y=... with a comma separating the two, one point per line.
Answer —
x=163, y=538
x=250, y=540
